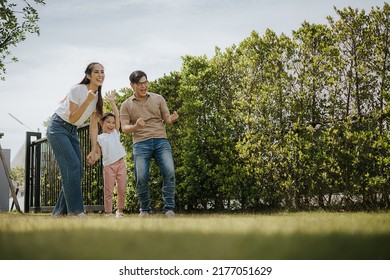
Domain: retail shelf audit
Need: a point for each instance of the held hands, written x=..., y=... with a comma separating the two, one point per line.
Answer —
x=92, y=158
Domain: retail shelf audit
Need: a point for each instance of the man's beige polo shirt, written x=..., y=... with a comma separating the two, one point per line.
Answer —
x=151, y=110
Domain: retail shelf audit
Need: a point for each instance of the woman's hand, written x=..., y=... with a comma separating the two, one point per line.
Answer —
x=91, y=95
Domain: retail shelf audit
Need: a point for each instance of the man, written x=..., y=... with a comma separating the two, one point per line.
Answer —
x=142, y=115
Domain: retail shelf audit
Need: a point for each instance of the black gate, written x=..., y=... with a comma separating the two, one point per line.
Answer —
x=43, y=178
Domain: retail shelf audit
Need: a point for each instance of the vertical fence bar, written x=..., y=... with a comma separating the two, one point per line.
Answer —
x=37, y=177
x=28, y=169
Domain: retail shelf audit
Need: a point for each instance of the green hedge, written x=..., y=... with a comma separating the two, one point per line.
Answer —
x=282, y=123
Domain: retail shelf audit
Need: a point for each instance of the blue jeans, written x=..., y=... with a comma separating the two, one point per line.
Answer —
x=62, y=137
x=161, y=151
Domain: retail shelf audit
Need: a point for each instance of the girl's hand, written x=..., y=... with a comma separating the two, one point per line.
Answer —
x=111, y=95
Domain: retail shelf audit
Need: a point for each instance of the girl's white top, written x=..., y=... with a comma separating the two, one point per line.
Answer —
x=78, y=94
x=111, y=146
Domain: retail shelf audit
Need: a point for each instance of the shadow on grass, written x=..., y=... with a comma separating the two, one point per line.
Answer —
x=95, y=244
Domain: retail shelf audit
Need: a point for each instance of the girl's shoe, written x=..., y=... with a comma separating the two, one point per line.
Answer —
x=118, y=215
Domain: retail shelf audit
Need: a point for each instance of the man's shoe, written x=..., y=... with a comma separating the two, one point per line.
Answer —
x=169, y=214
x=144, y=214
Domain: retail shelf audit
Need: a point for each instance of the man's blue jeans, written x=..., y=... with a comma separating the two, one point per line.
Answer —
x=62, y=137
x=161, y=151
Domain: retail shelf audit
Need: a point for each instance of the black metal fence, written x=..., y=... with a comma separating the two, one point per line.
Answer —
x=43, y=178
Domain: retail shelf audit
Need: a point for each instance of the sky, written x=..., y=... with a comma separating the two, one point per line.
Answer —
x=126, y=35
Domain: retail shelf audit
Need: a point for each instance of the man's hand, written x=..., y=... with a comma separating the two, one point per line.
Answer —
x=174, y=117
x=140, y=123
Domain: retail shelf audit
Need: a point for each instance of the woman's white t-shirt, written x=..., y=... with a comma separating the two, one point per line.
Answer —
x=111, y=146
x=78, y=94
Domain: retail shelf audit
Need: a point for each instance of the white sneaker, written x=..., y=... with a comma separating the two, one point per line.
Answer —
x=108, y=215
x=144, y=214
x=81, y=215
x=118, y=215
x=170, y=214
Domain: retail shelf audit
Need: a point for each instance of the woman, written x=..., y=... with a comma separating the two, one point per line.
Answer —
x=83, y=101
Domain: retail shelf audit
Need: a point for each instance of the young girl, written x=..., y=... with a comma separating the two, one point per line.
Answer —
x=84, y=101
x=114, y=168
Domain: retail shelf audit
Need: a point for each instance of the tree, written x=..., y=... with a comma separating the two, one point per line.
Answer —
x=17, y=175
x=15, y=21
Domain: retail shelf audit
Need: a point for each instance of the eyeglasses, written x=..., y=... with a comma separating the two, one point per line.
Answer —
x=143, y=83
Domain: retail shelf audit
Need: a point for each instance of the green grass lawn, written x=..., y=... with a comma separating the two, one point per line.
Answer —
x=284, y=236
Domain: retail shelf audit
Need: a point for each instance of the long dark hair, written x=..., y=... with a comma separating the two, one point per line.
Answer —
x=86, y=81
